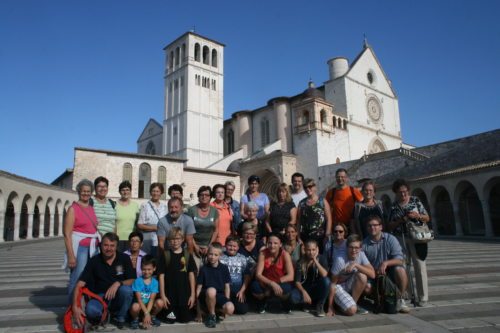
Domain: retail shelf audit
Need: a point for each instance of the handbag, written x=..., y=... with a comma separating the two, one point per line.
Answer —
x=419, y=233
x=70, y=325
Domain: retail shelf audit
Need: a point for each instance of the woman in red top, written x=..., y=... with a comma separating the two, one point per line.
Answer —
x=225, y=213
x=273, y=274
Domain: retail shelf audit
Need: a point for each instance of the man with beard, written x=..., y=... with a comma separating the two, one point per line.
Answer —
x=175, y=218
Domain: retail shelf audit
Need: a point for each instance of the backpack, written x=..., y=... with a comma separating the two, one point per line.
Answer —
x=386, y=295
x=83, y=296
x=168, y=257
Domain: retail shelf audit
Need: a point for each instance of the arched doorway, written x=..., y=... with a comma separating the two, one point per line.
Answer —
x=444, y=218
x=470, y=210
x=8, y=229
x=23, y=222
x=56, y=221
x=46, y=222
x=494, y=205
x=144, y=180
x=36, y=222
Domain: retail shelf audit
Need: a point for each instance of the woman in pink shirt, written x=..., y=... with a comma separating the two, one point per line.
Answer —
x=80, y=233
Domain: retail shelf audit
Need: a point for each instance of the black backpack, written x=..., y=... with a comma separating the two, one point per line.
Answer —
x=386, y=295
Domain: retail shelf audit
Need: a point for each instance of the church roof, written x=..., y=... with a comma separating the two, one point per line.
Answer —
x=154, y=123
x=134, y=155
x=451, y=157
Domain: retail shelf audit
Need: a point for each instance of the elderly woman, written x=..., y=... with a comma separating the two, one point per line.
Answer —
x=225, y=213
x=250, y=246
x=104, y=208
x=251, y=211
x=273, y=275
x=127, y=213
x=206, y=224
x=366, y=208
x=282, y=211
x=134, y=251
x=80, y=233
x=254, y=195
x=404, y=209
x=314, y=216
x=151, y=212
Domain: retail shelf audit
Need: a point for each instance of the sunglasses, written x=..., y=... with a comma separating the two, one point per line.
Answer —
x=338, y=231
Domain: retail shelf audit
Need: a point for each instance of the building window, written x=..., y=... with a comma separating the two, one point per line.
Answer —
x=214, y=58
x=305, y=118
x=323, y=117
x=183, y=53
x=144, y=181
x=334, y=121
x=162, y=179
x=177, y=55
x=127, y=172
x=182, y=81
x=214, y=87
x=206, y=55
x=171, y=60
x=197, y=79
x=264, y=132
x=176, y=84
x=197, y=52
x=175, y=130
x=170, y=87
x=150, y=148
x=230, y=141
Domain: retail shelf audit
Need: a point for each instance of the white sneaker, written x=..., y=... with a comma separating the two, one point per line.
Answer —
x=171, y=316
x=402, y=307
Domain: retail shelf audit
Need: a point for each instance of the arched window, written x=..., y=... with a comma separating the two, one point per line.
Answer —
x=230, y=141
x=322, y=115
x=339, y=123
x=345, y=124
x=183, y=53
x=171, y=60
x=144, y=181
x=264, y=132
x=150, y=148
x=197, y=52
x=177, y=55
x=206, y=55
x=127, y=172
x=214, y=57
x=334, y=121
x=162, y=179
x=305, y=118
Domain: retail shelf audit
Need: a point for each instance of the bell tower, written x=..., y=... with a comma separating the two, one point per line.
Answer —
x=194, y=106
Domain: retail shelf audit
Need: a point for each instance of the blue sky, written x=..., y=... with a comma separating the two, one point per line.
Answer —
x=90, y=73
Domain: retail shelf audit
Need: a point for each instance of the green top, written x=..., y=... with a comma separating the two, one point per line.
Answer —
x=126, y=217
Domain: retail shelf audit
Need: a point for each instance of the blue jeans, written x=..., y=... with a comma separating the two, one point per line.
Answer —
x=118, y=306
x=82, y=256
x=317, y=291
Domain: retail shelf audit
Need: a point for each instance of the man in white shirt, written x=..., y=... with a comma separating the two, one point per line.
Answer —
x=298, y=192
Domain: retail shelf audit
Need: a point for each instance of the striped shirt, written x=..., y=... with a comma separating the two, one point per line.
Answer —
x=106, y=215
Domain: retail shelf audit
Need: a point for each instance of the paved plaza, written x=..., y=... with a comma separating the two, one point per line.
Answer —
x=464, y=283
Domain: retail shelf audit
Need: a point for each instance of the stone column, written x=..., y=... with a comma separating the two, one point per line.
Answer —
x=51, y=226
x=458, y=225
x=17, y=222
x=2, y=224
x=29, y=232
x=41, y=227
x=488, y=227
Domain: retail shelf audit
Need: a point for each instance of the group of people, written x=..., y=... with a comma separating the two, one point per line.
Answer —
x=173, y=262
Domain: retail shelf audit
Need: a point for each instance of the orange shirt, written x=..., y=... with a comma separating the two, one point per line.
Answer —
x=225, y=218
x=342, y=205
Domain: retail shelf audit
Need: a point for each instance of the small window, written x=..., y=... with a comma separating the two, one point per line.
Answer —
x=197, y=52
x=176, y=84
x=177, y=55
x=214, y=87
x=230, y=141
x=264, y=132
x=162, y=178
x=305, y=118
x=127, y=172
x=175, y=130
x=214, y=58
x=151, y=149
x=171, y=60
x=206, y=55
x=182, y=81
x=183, y=53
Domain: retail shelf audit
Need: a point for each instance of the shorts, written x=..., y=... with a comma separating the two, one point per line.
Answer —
x=220, y=299
x=342, y=298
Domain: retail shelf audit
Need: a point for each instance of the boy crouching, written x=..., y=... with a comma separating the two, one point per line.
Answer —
x=145, y=289
x=213, y=286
